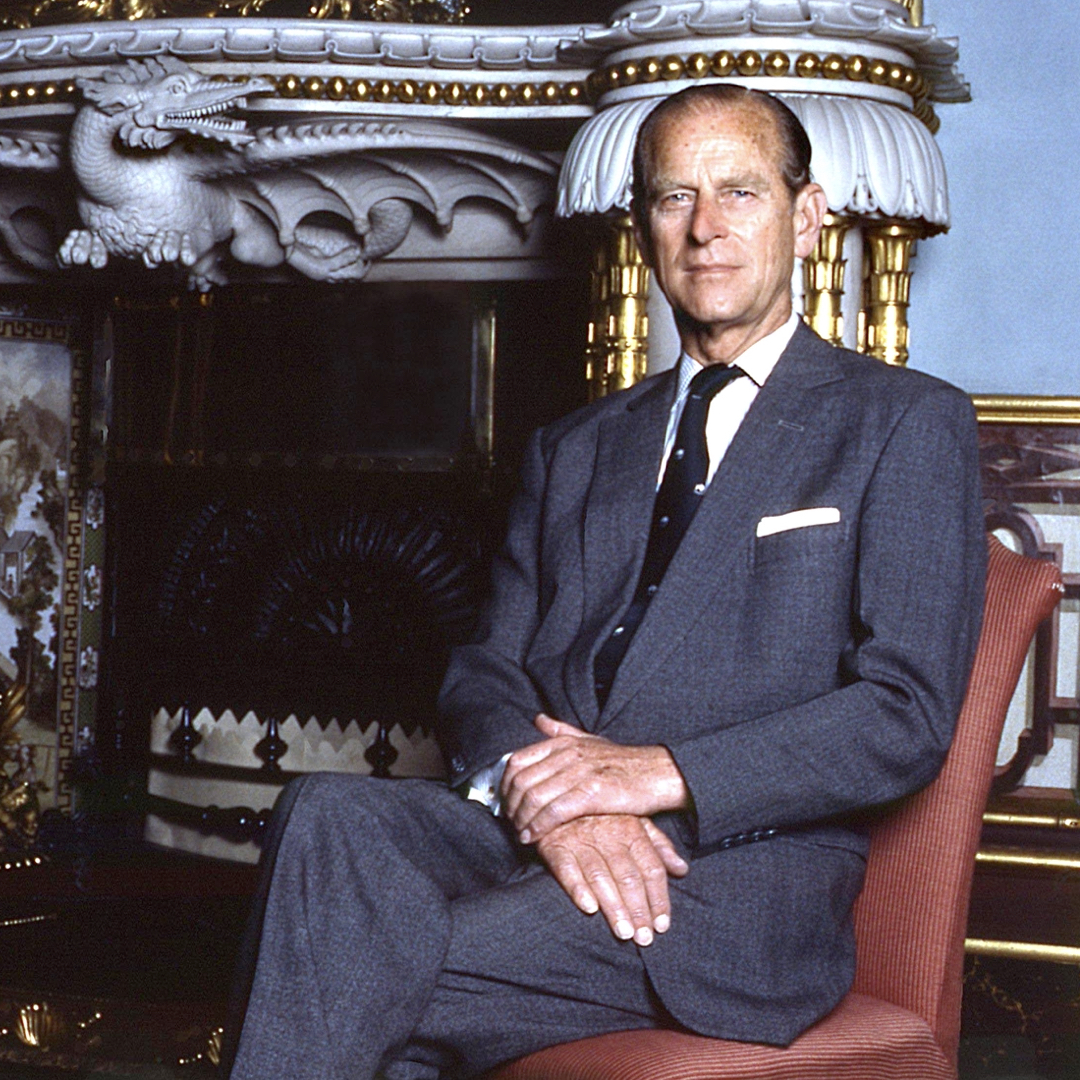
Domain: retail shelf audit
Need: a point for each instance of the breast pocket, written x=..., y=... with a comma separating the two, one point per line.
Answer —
x=812, y=541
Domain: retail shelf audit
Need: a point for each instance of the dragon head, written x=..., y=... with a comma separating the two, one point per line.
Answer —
x=161, y=99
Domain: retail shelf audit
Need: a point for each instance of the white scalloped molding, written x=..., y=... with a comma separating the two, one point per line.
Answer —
x=333, y=747
x=870, y=158
x=293, y=41
x=228, y=740
x=562, y=48
x=881, y=22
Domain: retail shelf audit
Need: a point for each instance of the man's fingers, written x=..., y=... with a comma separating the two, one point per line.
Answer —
x=566, y=871
x=538, y=814
x=552, y=728
x=673, y=862
x=534, y=752
x=531, y=787
x=615, y=880
x=512, y=787
x=654, y=877
x=573, y=775
x=613, y=861
x=528, y=755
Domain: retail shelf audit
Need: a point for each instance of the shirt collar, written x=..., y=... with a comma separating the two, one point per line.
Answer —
x=758, y=361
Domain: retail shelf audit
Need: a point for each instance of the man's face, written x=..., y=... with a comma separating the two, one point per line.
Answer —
x=723, y=230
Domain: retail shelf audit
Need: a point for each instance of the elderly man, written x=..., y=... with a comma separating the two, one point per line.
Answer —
x=736, y=605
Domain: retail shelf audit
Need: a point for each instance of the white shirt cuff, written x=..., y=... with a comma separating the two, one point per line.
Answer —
x=483, y=785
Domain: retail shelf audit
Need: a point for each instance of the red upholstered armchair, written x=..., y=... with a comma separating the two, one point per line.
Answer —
x=901, y=1020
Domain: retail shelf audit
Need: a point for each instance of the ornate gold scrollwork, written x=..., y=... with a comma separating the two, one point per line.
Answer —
x=39, y=1025
x=22, y=14
x=25, y=13
x=883, y=330
x=18, y=778
x=823, y=281
x=618, y=346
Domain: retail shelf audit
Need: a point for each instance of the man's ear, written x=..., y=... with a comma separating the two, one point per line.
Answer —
x=811, y=206
x=641, y=233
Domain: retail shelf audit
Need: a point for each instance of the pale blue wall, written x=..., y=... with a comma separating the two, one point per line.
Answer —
x=996, y=300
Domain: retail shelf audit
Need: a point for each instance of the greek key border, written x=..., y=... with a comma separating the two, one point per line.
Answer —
x=70, y=599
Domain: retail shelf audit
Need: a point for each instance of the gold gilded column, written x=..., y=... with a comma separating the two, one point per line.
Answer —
x=823, y=281
x=890, y=246
x=617, y=351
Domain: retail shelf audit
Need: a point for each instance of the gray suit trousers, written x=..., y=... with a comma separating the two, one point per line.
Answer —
x=406, y=935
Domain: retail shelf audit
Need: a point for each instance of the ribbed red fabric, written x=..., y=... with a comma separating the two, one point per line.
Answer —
x=902, y=1019
x=912, y=914
x=861, y=1039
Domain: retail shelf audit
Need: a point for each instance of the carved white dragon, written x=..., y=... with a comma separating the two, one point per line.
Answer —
x=166, y=174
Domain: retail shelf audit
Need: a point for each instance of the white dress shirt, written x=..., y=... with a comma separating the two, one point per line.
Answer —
x=730, y=406
x=726, y=412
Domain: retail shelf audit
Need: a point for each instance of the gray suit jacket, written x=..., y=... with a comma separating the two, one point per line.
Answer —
x=797, y=678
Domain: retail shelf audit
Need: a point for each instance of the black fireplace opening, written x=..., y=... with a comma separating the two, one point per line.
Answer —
x=305, y=487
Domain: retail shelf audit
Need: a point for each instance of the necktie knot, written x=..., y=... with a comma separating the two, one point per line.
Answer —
x=709, y=381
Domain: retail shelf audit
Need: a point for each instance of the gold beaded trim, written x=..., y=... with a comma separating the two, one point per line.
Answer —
x=27, y=862
x=415, y=92
x=48, y=93
x=379, y=91
x=750, y=64
x=629, y=73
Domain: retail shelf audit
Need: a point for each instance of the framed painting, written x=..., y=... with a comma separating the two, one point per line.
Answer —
x=1030, y=459
x=44, y=583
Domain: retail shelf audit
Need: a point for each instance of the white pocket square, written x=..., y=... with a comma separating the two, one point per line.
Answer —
x=798, y=519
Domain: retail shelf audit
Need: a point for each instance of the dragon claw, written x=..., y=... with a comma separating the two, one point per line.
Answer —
x=346, y=264
x=83, y=247
x=170, y=246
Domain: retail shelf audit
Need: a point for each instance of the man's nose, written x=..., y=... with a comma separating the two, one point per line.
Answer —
x=708, y=221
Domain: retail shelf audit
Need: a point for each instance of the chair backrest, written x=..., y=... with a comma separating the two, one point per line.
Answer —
x=911, y=918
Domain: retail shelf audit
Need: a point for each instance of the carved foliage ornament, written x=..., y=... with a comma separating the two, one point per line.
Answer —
x=167, y=173
x=22, y=14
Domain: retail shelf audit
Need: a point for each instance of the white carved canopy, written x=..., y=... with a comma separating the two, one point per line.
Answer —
x=880, y=23
x=871, y=159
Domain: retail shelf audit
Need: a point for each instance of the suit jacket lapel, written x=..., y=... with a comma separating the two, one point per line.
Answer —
x=761, y=458
x=618, y=510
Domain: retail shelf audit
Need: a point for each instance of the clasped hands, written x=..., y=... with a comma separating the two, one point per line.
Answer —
x=586, y=802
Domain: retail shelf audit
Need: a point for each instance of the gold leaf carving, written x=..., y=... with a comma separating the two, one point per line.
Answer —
x=21, y=14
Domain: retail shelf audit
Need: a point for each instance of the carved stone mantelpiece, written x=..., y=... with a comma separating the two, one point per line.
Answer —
x=340, y=149
x=278, y=147
x=165, y=176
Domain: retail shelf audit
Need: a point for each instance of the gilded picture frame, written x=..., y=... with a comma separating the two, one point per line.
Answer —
x=1030, y=459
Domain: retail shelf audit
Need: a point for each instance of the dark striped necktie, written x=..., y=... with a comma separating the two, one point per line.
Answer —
x=676, y=503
